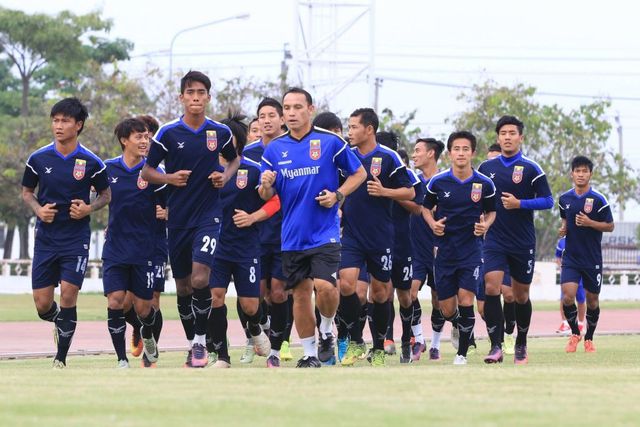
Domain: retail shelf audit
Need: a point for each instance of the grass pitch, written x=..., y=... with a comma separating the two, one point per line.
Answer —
x=554, y=389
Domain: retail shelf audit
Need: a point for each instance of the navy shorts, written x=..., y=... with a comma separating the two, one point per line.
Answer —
x=450, y=278
x=379, y=263
x=190, y=245
x=402, y=271
x=519, y=265
x=590, y=278
x=480, y=295
x=159, y=274
x=581, y=296
x=315, y=263
x=50, y=268
x=363, y=275
x=138, y=279
x=423, y=273
x=246, y=276
x=271, y=262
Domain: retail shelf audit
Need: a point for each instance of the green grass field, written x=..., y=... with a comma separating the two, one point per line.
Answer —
x=93, y=306
x=554, y=389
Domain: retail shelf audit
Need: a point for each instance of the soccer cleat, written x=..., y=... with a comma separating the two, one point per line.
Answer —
x=509, y=344
x=212, y=358
x=369, y=355
x=378, y=358
x=455, y=337
x=249, y=353
x=122, y=364
x=326, y=348
x=261, y=344
x=459, y=360
x=57, y=365
x=366, y=354
x=136, y=344
x=520, y=357
x=389, y=347
x=495, y=355
x=273, y=361
x=331, y=361
x=308, y=362
x=572, y=345
x=150, y=349
x=221, y=364
x=563, y=328
x=145, y=362
x=434, y=354
x=589, y=347
x=285, y=351
x=200, y=356
x=417, y=350
x=187, y=363
x=405, y=355
x=473, y=349
x=353, y=354
x=343, y=343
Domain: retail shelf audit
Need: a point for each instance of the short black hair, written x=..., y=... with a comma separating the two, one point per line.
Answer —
x=239, y=129
x=495, y=148
x=270, y=102
x=388, y=139
x=194, y=76
x=404, y=156
x=126, y=127
x=510, y=120
x=327, y=120
x=462, y=134
x=306, y=94
x=71, y=107
x=368, y=117
x=432, y=144
x=255, y=119
x=151, y=123
x=581, y=161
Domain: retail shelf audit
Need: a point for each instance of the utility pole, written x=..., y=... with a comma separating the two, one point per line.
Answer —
x=621, y=163
x=377, y=84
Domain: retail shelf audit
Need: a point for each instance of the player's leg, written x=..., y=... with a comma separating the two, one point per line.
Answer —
x=141, y=279
x=419, y=345
x=592, y=280
x=521, y=266
x=467, y=279
x=401, y=278
x=581, y=299
x=218, y=323
x=350, y=309
x=449, y=309
x=389, y=343
x=159, y=268
x=131, y=318
x=246, y=276
x=180, y=250
x=46, y=306
x=324, y=270
x=279, y=306
x=509, y=311
x=569, y=289
x=115, y=282
x=45, y=275
x=493, y=314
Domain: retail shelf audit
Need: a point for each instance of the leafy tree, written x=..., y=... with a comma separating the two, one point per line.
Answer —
x=401, y=126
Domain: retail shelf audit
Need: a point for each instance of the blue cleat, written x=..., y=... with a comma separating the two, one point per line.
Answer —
x=343, y=343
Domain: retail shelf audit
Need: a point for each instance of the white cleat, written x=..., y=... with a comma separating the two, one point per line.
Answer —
x=221, y=364
x=150, y=349
x=57, y=365
x=459, y=360
x=249, y=353
x=261, y=344
x=122, y=364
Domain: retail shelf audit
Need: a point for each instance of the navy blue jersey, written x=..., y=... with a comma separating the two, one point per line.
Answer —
x=368, y=219
x=462, y=203
x=513, y=229
x=304, y=168
x=162, y=242
x=59, y=180
x=270, y=229
x=422, y=238
x=131, y=234
x=583, y=247
x=402, y=217
x=183, y=148
x=240, y=192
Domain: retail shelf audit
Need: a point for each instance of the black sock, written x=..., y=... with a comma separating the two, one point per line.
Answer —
x=437, y=320
x=523, y=320
x=217, y=325
x=592, y=322
x=148, y=324
x=571, y=314
x=287, y=330
x=318, y=318
x=406, y=315
x=132, y=318
x=466, y=322
x=253, y=322
x=117, y=326
x=340, y=325
x=380, y=323
x=242, y=318
x=509, y=312
x=157, y=326
x=265, y=310
x=186, y=315
x=494, y=320
x=417, y=313
x=279, y=314
x=51, y=314
x=350, y=309
x=66, y=326
x=453, y=319
x=392, y=318
x=201, y=303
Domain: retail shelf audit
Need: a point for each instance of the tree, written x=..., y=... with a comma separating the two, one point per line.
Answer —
x=401, y=126
x=553, y=136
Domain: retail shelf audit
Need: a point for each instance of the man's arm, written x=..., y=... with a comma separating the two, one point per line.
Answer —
x=376, y=189
x=328, y=198
x=219, y=179
x=582, y=220
x=46, y=213
x=177, y=179
x=79, y=209
x=411, y=206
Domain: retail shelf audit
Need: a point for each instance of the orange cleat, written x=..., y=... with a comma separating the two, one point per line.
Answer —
x=589, y=347
x=136, y=345
x=572, y=345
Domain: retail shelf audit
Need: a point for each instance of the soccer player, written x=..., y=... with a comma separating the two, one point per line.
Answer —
x=367, y=234
x=585, y=214
x=255, y=131
x=581, y=297
x=130, y=242
x=190, y=146
x=64, y=172
x=465, y=209
x=270, y=119
x=425, y=157
x=511, y=242
x=238, y=254
x=329, y=121
x=302, y=167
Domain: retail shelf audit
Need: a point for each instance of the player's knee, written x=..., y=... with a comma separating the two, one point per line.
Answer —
x=404, y=298
x=199, y=281
x=349, y=288
x=593, y=301
x=218, y=297
x=249, y=306
x=115, y=301
x=278, y=294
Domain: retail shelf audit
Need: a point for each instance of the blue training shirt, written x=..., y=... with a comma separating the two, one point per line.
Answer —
x=583, y=248
x=422, y=238
x=304, y=168
x=162, y=243
x=513, y=229
x=61, y=179
x=402, y=218
x=183, y=148
x=462, y=203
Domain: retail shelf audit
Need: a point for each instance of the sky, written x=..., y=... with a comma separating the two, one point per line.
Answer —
x=425, y=52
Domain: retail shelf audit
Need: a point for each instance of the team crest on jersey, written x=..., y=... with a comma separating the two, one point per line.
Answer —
x=588, y=205
x=142, y=184
x=314, y=149
x=242, y=178
x=376, y=166
x=476, y=192
x=79, y=169
x=517, y=174
x=212, y=140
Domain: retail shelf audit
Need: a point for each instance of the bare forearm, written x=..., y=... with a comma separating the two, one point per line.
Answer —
x=604, y=227
x=353, y=181
x=410, y=206
x=265, y=193
x=30, y=200
x=103, y=199
x=399, y=194
x=489, y=218
x=153, y=176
